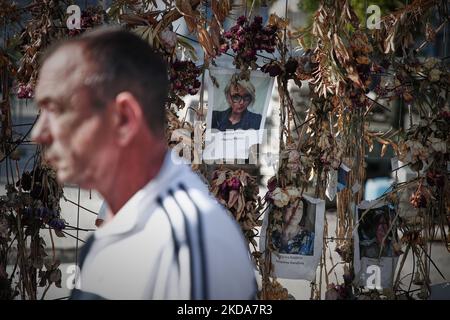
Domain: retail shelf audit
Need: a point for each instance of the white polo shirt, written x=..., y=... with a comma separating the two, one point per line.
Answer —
x=171, y=240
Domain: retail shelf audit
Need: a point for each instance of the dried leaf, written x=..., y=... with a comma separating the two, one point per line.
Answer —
x=340, y=50
x=275, y=20
x=240, y=207
x=234, y=195
x=243, y=178
x=362, y=60
x=221, y=178
x=221, y=9
x=189, y=49
x=59, y=233
x=383, y=149
x=352, y=74
x=214, y=31
x=389, y=43
x=185, y=8
x=55, y=275
x=205, y=41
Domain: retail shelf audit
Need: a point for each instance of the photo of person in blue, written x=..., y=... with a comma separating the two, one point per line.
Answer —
x=376, y=235
x=240, y=95
x=297, y=231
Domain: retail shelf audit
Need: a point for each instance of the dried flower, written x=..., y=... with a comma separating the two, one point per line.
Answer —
x=419, y=199
x=430, y=62
x=272, y=184
x=168, y=39
x=246, y=39
x=25, y=91
x=435, y=75
x=280, y=197
x=183, y=77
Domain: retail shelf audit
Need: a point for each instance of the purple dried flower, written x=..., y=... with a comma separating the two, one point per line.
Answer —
x=241, y=20
x=234, y=183
x=258, y=20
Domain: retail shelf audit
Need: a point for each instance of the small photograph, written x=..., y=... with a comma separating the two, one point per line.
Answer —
x=240, y=96
x=376, y=237
x=237, y=110
x=296, y=234
x=343, y=176
x=237, y=104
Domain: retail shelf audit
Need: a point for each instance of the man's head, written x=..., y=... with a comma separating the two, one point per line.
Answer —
x=240, y=95
x=101, y=97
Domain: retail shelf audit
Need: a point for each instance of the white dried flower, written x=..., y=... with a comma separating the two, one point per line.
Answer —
x=430, y=62
x=168, y=38
x=280, y=197
x=437, y=144
x=434, y=75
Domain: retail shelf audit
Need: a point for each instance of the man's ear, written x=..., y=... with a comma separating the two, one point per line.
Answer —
x=129, y=117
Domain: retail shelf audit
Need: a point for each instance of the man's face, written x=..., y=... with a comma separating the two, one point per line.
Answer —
x=75, y=136
x=239, y=99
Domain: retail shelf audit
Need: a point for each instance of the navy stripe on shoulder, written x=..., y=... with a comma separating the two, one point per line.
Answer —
x=189, y=243
x=176, y=241
x=204, y=266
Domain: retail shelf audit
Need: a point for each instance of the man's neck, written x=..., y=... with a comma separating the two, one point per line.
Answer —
x=134, y=173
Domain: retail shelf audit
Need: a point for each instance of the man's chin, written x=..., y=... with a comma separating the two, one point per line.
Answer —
x=68, y=177
x=63, y=176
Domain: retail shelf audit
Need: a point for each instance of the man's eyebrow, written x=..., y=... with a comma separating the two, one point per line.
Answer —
x=45, y=101
x=42, y=102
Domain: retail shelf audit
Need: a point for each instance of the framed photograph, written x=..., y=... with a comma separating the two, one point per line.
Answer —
x=375, y=238
x=296, y=234
x=297, y=240
x=237, y=111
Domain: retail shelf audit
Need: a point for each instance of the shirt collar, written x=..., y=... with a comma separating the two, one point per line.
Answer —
x=227, y=123
x=127, y=217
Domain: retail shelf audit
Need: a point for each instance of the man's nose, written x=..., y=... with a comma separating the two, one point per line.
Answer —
x=41, y=131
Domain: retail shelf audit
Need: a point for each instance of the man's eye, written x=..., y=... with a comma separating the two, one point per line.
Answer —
x=55, y=109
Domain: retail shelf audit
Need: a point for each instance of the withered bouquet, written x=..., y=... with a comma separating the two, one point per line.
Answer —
x=247, y=38
x=281, y=197
x=238, y=192
x=273, y=290
x=286, y=203
x=426, y=148
x=30, y=205
x=183, y=78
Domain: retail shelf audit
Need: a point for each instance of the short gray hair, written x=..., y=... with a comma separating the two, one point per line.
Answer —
x=247, y=85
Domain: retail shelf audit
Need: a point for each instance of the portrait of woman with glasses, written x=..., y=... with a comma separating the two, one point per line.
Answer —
x=240, y=96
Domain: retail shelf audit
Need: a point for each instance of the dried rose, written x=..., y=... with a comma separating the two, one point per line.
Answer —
x=241, y=20
x=234, y=183
x=25, y=91
x=272, y=184
x=280, y=197
x=291, y=66
x=435, y=179
x=168, y=39
x=272, y=68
